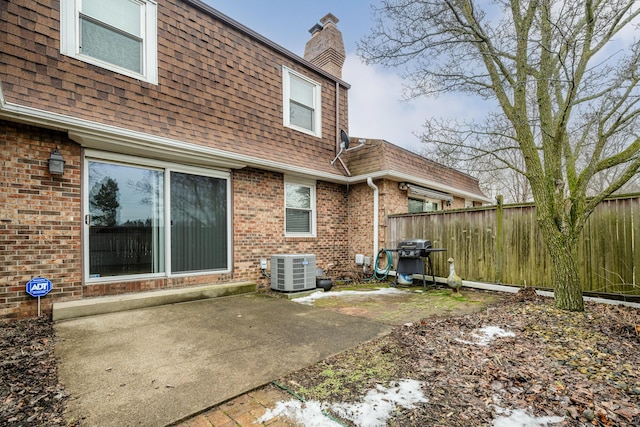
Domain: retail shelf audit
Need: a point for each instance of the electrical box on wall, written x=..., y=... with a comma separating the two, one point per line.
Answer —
x=359, y=259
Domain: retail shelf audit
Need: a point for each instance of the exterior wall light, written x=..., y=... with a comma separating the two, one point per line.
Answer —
x=56, y=163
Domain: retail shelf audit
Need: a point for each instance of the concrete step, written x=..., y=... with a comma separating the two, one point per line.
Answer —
x=114, y=303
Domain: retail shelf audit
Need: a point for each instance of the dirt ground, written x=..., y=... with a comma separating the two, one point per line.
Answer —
x=583, y=366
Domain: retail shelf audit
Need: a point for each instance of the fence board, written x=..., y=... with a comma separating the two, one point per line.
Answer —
x=505, y=245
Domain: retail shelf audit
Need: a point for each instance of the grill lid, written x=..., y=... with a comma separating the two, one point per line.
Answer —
x=415, y=244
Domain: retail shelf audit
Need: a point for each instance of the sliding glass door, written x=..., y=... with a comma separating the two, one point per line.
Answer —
x=155, y=221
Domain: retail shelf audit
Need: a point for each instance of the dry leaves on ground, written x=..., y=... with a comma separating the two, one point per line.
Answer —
x=29, y=389
x=584, y=366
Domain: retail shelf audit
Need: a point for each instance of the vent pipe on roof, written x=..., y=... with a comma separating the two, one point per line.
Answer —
x=326, y=47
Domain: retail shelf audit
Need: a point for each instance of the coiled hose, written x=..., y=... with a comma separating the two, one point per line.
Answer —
x=381, y=273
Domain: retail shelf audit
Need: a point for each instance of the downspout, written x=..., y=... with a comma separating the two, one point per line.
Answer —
x=375, y=217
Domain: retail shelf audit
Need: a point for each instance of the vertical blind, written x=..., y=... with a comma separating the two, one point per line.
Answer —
x=198, y=223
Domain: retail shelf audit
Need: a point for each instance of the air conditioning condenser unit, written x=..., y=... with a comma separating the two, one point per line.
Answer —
x=293, y=272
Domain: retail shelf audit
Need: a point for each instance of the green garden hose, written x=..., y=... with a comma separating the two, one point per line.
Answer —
x=381, y=273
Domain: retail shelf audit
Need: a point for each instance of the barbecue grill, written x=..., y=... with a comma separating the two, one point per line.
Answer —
x=414, y=248
x=412, y=255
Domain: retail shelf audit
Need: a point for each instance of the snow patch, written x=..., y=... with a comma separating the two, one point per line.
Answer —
x=520, y=418
x=310, y=299
x=487, y=334
x=309, y=414
x=377, y=406
x=373, y=411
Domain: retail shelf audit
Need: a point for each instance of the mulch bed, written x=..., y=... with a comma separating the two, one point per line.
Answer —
x=584, y=366
x=30, y=394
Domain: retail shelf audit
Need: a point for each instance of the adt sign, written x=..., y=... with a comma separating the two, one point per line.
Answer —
x=38, y=286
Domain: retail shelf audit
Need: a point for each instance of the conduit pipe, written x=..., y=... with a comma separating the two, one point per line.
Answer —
x=375, y=216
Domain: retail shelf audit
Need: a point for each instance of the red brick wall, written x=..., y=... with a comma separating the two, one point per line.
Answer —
x=40, y=219
x=394, y=201
x=391, y=201
x=41, y=225
x=258, y=215
x=218, y=87
x=458, y=203
x=360, y=222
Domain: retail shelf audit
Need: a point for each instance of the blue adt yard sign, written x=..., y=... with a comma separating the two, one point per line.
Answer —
x=38, y=286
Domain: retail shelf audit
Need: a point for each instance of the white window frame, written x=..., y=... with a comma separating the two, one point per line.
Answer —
x=312, y=193
x=439, y=203
x=167, y=167
x=70, y=40
x=317, y=102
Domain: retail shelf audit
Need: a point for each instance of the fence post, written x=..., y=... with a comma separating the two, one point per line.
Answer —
x=499, y=246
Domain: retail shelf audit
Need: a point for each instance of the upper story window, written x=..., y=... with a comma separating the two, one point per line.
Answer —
x=302, y=103
x=119, y=35
x=300, y=206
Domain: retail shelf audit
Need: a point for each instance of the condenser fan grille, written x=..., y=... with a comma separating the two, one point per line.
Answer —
x=293, y=272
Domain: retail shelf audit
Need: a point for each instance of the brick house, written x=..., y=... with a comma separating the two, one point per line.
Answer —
x=193, y=147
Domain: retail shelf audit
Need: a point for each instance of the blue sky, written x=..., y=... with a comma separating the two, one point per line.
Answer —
x=376, y=109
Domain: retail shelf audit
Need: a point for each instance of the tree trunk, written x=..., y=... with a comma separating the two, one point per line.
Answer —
x=567, y=287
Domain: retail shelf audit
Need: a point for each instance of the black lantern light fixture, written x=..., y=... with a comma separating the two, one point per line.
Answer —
x=56, y=163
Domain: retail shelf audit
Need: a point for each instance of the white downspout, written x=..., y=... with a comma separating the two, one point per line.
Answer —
x=375, y=217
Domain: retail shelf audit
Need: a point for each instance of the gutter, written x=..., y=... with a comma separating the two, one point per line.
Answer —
x=399, y=176
x=107, y=137
x=104, y=137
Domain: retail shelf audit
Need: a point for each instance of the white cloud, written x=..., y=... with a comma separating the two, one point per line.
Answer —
x=376, y=109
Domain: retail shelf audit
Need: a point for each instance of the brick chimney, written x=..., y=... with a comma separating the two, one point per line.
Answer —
x=326, y=48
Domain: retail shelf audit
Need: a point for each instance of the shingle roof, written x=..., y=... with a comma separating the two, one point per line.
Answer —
x=378, y=155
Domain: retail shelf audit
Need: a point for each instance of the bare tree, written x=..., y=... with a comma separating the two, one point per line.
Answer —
x=564, y=81
x=446, y=143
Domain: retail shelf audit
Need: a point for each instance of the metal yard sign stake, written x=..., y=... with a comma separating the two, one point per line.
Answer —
x=38, y=287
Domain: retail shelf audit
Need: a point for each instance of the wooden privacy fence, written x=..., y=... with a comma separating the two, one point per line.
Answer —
x=503, y=244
